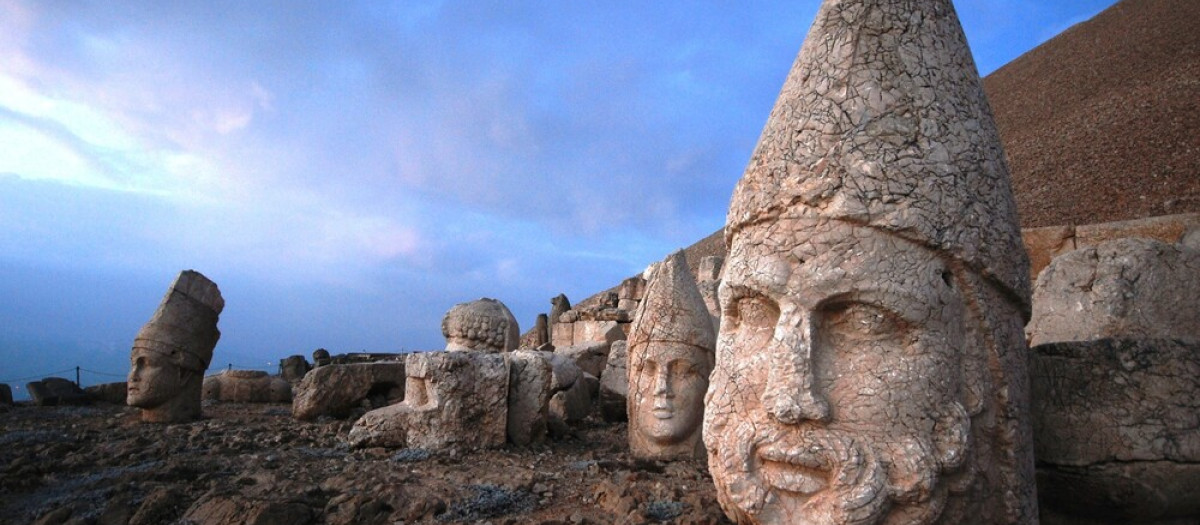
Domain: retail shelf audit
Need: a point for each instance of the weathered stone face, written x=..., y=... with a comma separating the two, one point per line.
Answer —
x=870, y=366
x=670, y=357
x=831, y=385
x=669, y=385
x=153, y=379
x=484, y=325
x=173, y=349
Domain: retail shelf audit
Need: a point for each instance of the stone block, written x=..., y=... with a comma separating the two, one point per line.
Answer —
x=6, y=398
x=246, y=386
x=562, y=334
x=1168, y=229
x=1117, y=429
x=53, y=391
x=530, y=379
x=336, y=390
x=113, y=393
x=1044, y=244
x=1127, y=288
x=451, y=400
x=293, y=368
x=590, y=357
x=614, y=383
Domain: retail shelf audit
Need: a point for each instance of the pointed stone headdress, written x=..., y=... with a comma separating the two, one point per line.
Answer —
x=672, y=309
x=184, y=328
x=883, y=122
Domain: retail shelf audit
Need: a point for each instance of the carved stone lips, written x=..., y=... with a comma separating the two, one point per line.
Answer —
x=800, y=470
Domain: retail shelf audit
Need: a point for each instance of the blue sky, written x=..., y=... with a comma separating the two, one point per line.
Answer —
x=348, y=171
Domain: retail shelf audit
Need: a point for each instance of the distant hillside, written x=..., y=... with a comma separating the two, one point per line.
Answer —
x=1102, y=122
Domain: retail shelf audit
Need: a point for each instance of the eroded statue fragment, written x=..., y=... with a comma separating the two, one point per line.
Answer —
x=451, y=400
x=484, y=325
x=870, y=364
x=670, y=357
x=173, y=349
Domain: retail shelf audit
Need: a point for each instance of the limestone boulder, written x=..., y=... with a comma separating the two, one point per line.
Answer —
x=246, y=386
x=452, y=400
x=1128, y=288
x=562, y=333
x=337, y=390
x=614, y=383
x=529, y=389
x=1117, y=429
x=113, y=393
x=53, y=391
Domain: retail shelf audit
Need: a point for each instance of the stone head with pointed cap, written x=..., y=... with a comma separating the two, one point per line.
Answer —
x=173, y=349
x=671, y=346
x=870, y=364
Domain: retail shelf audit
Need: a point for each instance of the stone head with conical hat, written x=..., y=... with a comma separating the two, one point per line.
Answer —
x=173, y=349
x=870, y=363
x=671, y=346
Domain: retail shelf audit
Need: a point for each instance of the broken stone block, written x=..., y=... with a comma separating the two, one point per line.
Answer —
x=53, y=391
x=173, y=349
x=246, y=386
x=1117, y=429
x=529, y=390
x=336, y=390
x=614, y=383
x=293, y=368
x=1127, y=288
x=483, y=325
x=590, y=357
x=113, y=393
x=451, y=400
x=573, y=404
x=6, y=398
x=321, y=357
x=563, y=334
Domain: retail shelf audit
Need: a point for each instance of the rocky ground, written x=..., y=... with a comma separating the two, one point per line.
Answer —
x=255, y=464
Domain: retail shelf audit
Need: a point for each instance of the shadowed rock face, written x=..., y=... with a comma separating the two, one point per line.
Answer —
x=670, y=358
x=173, y=349
x=1116, y=428
x=870, y=362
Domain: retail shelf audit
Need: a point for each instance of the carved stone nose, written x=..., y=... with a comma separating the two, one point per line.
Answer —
x=791, y=395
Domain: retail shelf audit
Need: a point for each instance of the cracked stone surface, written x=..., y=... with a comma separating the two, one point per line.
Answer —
x=670, y=357
x=173, y=349
x=451, y=400
x=484, y=325
x=1117, y=428
x=871, y=364
x=1125, y=288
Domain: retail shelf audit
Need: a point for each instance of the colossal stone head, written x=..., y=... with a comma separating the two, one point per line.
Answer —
x=173, y=349
x=670, y=357
x=484, y=325
x=870, y=363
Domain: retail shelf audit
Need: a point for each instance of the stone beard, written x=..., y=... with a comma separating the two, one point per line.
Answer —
x=845, y=370
x=670, y=380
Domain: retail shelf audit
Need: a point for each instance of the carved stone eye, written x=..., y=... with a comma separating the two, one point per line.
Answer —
x=858, y=320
